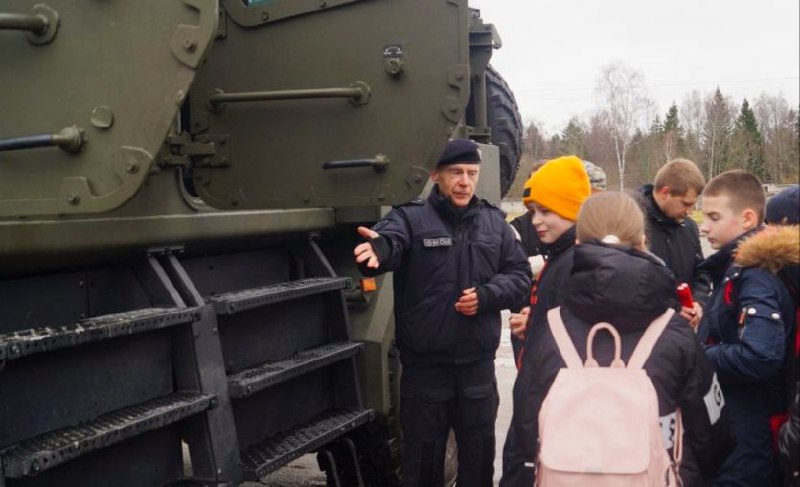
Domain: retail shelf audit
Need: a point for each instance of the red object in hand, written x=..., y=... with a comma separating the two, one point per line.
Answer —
x=685, y=295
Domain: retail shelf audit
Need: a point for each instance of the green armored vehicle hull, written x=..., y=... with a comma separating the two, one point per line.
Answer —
x=179, y=186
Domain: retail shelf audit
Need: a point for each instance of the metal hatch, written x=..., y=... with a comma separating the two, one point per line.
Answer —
x=89, y=91
x=328, y=103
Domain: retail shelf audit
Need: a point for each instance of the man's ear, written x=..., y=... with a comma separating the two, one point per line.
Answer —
x=434, y=175
x=662, y=193
x=749, y=219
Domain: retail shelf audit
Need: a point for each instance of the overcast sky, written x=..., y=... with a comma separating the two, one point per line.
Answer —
x=553, y=50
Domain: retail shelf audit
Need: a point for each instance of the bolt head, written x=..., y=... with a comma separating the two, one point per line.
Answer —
x=189, y=45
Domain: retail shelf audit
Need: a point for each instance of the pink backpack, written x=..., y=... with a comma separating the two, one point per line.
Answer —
x=599, y=426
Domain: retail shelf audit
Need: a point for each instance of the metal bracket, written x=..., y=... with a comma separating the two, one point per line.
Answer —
x=206, y=150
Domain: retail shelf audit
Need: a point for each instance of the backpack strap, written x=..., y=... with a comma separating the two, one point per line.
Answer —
x=642, y=351
x=677, y=449
x=565, y=346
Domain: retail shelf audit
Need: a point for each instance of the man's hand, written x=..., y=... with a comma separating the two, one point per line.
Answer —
x=518, y=322
x=365, y=251
x=693, y=315
x=467, y=305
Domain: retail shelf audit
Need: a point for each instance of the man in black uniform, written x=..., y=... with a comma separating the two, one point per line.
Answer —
x=672, y=235
x=456, y=264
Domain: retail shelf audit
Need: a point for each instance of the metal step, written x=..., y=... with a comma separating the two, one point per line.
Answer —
x=252, y=380
x=45, y=451
x=35, y=340
x=281, y=449
x=236, y=301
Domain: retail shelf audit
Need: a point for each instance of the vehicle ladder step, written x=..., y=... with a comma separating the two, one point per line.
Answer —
x=48, y=450
x=273, y=372
x=18, y=344
x=236, y=301
x=282, y=448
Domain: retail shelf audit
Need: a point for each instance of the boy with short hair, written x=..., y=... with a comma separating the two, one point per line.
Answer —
x=747, y=326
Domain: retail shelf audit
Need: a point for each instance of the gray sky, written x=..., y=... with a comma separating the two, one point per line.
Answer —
x=553, y=50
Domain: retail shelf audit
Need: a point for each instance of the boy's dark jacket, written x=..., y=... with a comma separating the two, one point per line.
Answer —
x=436, y=252
x=677, y=244
x=749, y=329
x=629, y=289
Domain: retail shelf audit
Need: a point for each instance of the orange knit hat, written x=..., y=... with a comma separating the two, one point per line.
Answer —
x=560, y=185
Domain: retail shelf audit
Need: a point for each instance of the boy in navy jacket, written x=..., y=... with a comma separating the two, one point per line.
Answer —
x=747, y=326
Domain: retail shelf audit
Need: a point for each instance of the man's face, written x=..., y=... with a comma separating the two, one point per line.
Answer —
x=721, y=224
x=676, y=207
x=549, y=224
x=457, y=182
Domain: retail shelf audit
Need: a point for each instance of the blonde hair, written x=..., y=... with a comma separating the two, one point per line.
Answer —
x=611, y=217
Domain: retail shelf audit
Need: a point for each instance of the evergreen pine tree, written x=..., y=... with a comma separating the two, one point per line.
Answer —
x=748, y=148
x=573, y=138
x=671, y=121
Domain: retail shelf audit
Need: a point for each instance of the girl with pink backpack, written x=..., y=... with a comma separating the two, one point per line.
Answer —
x=656, y=416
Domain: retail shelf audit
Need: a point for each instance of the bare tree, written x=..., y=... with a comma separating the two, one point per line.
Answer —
x=625, y=106
x=693, y=117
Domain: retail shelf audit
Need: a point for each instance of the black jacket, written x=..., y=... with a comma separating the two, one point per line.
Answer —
x=789, y=443
x=629, y=289
x=436, y=251
x=547, y=292
x=677, y=244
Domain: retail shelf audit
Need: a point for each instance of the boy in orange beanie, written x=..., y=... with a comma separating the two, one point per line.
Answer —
x=554, y=195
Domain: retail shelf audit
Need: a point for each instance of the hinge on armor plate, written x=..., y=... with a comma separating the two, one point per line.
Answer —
x=206, y=150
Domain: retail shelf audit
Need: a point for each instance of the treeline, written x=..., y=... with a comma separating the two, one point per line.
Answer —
x=710, y=129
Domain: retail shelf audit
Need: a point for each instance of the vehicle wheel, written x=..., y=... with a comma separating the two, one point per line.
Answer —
x=506, y=124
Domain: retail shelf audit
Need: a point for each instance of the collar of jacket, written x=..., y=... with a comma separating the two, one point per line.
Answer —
x=716, y=264
x=653, y=210
x=449, y=212
x=773, y=248
x=565, y=241
x=622, y=286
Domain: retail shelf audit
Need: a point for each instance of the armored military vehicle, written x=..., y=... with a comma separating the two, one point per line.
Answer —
x=180, y=181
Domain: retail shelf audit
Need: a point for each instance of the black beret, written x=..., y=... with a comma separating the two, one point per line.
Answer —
x=460, y=151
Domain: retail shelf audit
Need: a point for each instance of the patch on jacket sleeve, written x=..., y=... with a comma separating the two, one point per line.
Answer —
x=437, y=242
x=668, y=424
x=714, y=400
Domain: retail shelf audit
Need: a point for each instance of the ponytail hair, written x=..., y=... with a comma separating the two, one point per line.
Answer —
x=611, y=217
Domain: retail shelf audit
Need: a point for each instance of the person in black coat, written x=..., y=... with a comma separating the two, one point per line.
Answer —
x=783, y=209
x=456, y=264
x=614, y=279
x=554, y=194
x=672, y=235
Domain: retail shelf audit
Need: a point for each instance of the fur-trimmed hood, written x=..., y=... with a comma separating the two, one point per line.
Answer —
x=773, y=248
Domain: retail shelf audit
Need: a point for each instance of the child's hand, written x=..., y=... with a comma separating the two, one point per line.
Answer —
x=518, y=322
x=693, y=315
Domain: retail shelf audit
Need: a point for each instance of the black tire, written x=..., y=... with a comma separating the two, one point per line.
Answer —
x=506, y=124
